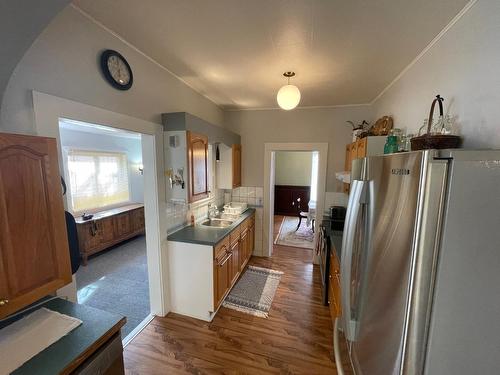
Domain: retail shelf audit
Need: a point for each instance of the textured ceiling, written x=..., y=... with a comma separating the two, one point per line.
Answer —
x=235, y=51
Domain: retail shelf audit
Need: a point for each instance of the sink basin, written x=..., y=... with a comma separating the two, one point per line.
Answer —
x=217, y=223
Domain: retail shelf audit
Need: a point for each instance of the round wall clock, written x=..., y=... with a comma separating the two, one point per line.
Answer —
x=116, y=70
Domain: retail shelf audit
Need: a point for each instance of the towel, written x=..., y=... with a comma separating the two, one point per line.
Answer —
x=25, y=338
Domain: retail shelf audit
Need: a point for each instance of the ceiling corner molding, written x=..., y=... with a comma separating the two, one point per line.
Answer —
x=123, y=40
x=436, y=39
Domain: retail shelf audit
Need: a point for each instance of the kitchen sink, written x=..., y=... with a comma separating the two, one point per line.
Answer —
x=217, y=223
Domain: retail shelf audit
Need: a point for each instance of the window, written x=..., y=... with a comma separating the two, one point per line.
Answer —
x=97, y=179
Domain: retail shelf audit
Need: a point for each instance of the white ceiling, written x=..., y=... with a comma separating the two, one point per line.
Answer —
x=235, y=51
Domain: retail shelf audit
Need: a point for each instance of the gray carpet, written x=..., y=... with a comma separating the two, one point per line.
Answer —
x=116, y=280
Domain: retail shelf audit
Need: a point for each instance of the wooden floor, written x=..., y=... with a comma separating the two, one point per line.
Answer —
x=295, y=339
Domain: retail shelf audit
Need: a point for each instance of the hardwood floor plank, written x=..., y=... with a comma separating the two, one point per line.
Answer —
x=295, y=339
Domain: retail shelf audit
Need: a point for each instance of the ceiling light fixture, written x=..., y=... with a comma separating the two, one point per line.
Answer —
x=289, y=95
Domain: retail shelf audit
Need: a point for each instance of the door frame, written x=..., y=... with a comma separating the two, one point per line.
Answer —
x=49, y=109
x=269, y=180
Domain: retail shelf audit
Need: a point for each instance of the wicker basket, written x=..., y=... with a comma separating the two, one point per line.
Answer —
x=435, y=141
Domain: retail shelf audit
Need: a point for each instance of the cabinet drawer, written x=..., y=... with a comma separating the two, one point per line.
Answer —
x=221, y=248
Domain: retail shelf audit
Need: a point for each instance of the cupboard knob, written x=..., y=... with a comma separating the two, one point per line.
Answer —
x=3, y=301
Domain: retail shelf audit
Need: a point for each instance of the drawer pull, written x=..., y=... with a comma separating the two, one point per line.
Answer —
x=4, y=301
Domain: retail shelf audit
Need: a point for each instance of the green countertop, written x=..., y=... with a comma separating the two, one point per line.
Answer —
x=203, y=235
x=62, y=353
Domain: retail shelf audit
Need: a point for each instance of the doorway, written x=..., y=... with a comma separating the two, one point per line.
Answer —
x=48, y=110
x=317, y=186
x=103, y=170
x=295, y=191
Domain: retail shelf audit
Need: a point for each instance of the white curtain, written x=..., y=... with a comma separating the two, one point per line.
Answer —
x=314, y=176
x=97, y=179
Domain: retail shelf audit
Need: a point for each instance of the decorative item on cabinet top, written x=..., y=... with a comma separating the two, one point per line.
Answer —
x=433, y=139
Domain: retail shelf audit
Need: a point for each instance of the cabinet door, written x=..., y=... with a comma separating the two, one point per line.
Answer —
x=361, y=148
x=222, y=277
x=106, y=230
x=236, y=166
x=354, y=152
x=138, y=220
x=122, y=225
x=34, y=255
x=197, y=147
x=243, y=249
x=235, y=261
x=252, y=240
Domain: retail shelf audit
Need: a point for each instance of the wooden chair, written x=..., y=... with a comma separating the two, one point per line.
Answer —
x=302, y=215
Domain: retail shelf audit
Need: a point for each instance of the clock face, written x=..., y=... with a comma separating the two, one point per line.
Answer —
x=116, y=70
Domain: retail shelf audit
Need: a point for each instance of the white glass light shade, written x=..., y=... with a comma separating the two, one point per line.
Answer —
x=288, y=97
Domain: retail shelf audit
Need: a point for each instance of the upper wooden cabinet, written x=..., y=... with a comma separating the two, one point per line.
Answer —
x=236, y=166
x=228, y=169
x=34, y=254
x=197, y=148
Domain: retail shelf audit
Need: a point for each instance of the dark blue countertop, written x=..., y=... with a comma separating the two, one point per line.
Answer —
x=204, y=235
x=62, y=354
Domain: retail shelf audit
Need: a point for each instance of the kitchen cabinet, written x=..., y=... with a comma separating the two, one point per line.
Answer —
x=34, y=254
x=108, y=228
x=368, y=146
x=231, y=256
x=222, y=270
x=228, y=168
x=197, y=148
x=334, y=285
x=235, y=259
x=204, y=264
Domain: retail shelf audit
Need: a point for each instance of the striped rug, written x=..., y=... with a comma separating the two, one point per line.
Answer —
x=254, y=292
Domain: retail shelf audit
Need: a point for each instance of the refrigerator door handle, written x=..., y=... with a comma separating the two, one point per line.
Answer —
x=352, y=215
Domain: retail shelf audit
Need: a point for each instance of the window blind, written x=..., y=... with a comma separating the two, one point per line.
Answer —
x=97, y=179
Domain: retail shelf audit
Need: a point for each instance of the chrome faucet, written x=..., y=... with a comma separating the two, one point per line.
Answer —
x=213, y=211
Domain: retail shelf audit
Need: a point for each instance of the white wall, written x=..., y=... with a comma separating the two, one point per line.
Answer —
x=21, y=21
x=64, y=61
x=293, y=168
x=108, y=142
x=300, y=125
x=463, y=66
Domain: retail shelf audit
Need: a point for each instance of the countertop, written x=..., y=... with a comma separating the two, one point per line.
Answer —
x=203, y=235
x=71, y=350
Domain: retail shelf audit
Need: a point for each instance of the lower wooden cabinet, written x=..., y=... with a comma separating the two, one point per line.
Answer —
x=231, y=255
x=334, y=286
x=109, y=228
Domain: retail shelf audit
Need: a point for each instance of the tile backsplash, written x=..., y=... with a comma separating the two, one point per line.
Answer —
x=177, y=210
x=248, y=194
x=335, y=199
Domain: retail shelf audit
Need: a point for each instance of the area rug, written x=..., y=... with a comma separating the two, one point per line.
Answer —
x=254, y=292
x=287, y=236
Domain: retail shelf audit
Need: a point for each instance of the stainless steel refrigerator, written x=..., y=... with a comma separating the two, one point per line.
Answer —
x=420, y=267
